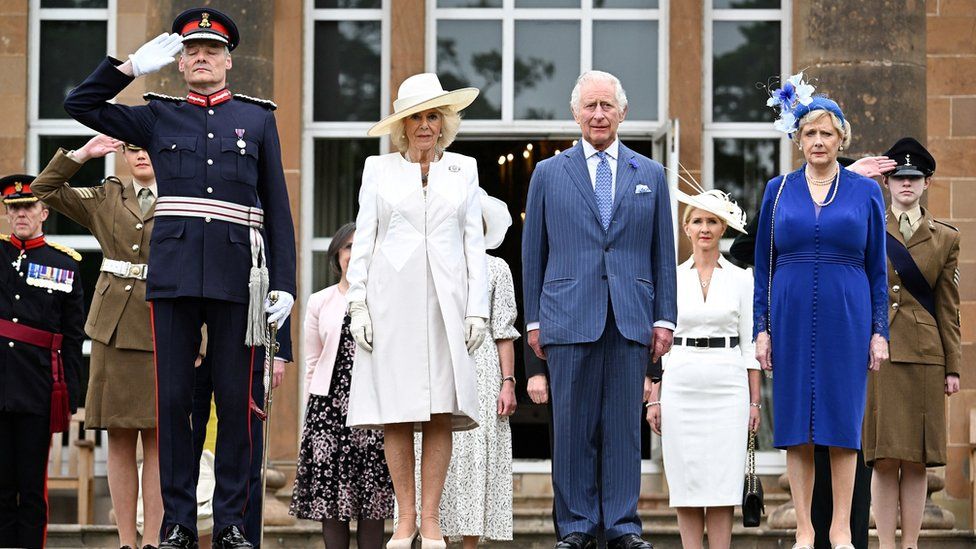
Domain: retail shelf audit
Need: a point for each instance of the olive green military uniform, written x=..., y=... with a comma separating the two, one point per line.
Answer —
x=905, y=416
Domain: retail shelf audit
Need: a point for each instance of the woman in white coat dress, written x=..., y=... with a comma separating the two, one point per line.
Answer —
x=418, y=296
x=709, y=392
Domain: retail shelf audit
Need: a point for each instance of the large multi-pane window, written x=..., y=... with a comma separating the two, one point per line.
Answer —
x=346, y=91
x=525, y=55
x=747, y=50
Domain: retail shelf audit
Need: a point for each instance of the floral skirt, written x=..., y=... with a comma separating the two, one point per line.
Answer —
x=342, y=472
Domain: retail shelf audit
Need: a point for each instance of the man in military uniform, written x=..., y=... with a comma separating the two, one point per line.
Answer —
x=905, y=421
x=223, y=237
x=41, y=318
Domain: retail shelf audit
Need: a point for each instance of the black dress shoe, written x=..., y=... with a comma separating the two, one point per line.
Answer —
x=149, y=547
x=179, y=538
x=629, y=541
x=231, y=538
x=577, y=540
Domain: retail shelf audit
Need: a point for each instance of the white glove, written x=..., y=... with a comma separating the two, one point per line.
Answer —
x=360, y=325
x=155, y=54
x=474, y=333
x=280, y=309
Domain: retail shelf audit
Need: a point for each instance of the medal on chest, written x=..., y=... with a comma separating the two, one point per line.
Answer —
x=241, y=144
x=51, y=278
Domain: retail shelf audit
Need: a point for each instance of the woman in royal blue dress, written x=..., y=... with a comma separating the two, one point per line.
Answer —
x=820, y=303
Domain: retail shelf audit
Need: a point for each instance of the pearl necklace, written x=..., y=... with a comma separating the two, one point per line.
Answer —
x=821, y=182
x=827, y=201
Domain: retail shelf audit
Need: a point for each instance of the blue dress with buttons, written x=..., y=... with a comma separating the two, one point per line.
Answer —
x=195, y=153
x=828, y=296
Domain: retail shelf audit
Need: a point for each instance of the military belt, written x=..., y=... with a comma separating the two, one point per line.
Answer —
x=125, y=269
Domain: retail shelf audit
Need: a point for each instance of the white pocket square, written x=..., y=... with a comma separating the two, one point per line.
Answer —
x=642, y=188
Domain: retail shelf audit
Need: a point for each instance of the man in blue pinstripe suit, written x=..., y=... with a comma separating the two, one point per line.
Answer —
x=600, y=306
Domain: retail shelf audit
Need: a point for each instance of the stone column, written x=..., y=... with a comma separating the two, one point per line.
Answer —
x=869, y=56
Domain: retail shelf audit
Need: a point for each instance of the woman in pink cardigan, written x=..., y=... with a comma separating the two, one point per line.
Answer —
x=342, y=474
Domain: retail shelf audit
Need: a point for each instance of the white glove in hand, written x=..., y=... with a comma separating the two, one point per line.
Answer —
x=474, y=333
x=155, y=54
x=280, y=309
x=360, y=325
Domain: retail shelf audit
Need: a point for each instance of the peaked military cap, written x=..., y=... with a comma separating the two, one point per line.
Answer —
x=207, y=24
x=913, y=159
x=16, y=189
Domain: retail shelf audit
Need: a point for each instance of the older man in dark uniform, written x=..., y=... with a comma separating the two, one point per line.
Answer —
x=223, y=237
x=41, y=318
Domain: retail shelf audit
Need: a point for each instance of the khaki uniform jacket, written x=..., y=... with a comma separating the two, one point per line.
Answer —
x=111, y=212
x=916, y=337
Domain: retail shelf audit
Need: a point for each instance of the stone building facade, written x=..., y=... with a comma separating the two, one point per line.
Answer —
x=693, y=69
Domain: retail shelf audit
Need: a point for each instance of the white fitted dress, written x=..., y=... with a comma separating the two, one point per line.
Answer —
x=705, y=391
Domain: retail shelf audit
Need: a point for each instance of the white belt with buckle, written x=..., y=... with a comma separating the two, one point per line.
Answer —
x=125, y=269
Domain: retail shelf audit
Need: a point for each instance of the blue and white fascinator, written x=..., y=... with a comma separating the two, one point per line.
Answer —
x=794, y=100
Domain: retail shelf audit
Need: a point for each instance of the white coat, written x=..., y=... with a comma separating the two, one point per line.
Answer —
x=418, y=261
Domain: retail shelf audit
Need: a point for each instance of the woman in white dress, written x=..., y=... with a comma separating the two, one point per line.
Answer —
x=418, y=297
x=709, y=392
x=477, y=500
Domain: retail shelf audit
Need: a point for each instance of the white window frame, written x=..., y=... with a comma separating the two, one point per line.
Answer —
x=767, y=461
x=712, y=130
x=312, y=130
x=38, y=127
x=586, y=14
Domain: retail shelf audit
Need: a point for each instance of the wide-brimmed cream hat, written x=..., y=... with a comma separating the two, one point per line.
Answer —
x=719, y=203
x=497, y=220
x=421, y=92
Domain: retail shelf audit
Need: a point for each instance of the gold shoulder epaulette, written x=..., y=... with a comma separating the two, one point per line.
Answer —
x=149, y=96
x=5, y=237
x=266, y=103
x=66, y=250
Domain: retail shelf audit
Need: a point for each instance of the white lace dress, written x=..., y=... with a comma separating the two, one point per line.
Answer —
x=477, y=498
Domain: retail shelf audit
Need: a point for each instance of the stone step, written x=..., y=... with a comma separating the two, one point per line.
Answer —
x=309, y=535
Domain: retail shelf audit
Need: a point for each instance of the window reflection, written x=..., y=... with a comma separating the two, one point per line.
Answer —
x=638, y=74
x=74, y=3
x=544, y=76
x=742, y=168
x=547, y=3
x=356, y=4
x=745, y=54
x=469, y=53
x=645, y=4
x=347, y=71
x=746, y=4
x=469, y=3
x=61, y=71
x=338, y=177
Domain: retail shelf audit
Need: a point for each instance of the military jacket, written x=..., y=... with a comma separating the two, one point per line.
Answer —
x=917, y=337
x=228, y=151
x=35, y=291
x=111, y=212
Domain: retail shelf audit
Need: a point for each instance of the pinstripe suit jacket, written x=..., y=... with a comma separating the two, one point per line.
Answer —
x=571, y=264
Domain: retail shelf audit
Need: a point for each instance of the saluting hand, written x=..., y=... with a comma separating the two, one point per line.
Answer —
x=97, y=147
x=154, y=54
x=879, y=352
x=873, y=166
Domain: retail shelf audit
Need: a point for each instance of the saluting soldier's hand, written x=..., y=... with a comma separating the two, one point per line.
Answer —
x=155, y=54
x=873, y=166
x=97, y=147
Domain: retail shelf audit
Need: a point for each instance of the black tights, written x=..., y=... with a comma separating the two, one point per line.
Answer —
x=369, y=533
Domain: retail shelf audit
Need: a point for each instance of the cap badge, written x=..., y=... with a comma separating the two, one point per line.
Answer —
x=205, y=20
x=18, y=186
x=908, y=160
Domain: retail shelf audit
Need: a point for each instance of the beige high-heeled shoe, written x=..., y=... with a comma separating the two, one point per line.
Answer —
x=402, y=543
x=427, y=543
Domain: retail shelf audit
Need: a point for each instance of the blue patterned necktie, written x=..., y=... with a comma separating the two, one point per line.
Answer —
x=604, y=188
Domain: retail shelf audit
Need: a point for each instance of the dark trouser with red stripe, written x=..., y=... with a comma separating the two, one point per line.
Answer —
x=23, y=479
x=202, y=393
x=176, y=328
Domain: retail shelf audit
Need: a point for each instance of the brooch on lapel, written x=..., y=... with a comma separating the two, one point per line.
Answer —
x=641, y=189
x=633, y=163
x=454, y=168
x=52, y=278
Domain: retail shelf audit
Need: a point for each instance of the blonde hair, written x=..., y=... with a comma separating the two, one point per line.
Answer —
x=686, y=217
x=450, y=124
x=843, y=128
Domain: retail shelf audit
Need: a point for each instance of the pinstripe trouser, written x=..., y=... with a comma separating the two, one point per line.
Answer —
x=597, y=393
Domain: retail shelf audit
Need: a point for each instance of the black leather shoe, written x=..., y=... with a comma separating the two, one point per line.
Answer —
x=149, y=547
x=231, y=538
x=179, y=538
x=577, y=540
x=629, y=541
